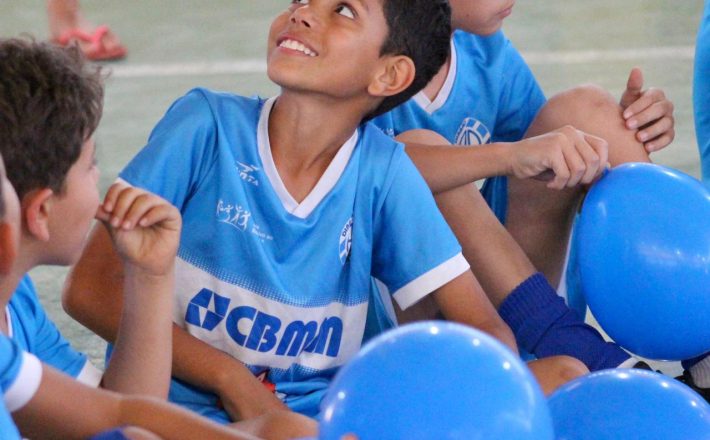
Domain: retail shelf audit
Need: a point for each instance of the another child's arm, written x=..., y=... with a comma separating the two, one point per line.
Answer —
x=648, y=112
x=145, y=230
x=63, y=408
x=463, y=300
x=565, y=157
x=92, y=295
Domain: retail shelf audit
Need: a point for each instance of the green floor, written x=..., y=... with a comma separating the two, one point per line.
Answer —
x=176, y=44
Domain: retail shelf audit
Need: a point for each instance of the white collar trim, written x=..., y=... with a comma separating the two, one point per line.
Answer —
x=422, y=99
x=326, y=182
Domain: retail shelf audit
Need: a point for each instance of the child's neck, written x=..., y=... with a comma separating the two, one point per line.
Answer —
x=434, y=86
x=305, y=134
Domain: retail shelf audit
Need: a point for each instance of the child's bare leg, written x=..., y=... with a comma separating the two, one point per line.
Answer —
x=279, y=425
x=66, y=15
x=539, y=218
x=555, y=371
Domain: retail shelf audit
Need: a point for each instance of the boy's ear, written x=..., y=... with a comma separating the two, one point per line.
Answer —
x=396, y=75
x=8, y=248
x=36, y=206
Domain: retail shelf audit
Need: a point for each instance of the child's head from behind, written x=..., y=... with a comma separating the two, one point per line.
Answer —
x=390, y=48
x=481, y=17
x=50, y=104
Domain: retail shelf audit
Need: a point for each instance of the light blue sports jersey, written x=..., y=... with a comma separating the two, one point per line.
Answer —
x=35, y=333
x=489, y=95
x=20, y=376
x=280, y=285
x=701, y=93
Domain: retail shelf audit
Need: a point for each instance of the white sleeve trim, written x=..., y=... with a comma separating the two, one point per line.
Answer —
x=25, y=385
x=90, y=375
x=420, y=287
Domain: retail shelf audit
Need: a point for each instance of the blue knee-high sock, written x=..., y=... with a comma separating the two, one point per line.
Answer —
x=544, y=326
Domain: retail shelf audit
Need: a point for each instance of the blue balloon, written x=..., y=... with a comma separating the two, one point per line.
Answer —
x=628, y=404
x=643, y=242
x=435, y=380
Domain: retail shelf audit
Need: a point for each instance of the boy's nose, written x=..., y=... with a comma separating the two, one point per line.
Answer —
x=303, y=15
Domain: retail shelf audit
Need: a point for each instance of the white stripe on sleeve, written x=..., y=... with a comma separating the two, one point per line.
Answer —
x=420, y=287
x=25, y=385
x=90, y=375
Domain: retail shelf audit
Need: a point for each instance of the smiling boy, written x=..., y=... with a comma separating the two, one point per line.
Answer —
x=290, y=205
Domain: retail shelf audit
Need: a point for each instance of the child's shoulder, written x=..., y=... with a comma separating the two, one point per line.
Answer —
x=218, y=101
x=485, y=48
x=377, y=145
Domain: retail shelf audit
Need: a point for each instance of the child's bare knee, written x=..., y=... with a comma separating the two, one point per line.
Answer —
x=583, y=107
x=569, y=368
x=423, y=137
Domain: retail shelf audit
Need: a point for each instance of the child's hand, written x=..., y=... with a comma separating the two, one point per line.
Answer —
x=649, y=112
x=145, y=228
x=564, y=158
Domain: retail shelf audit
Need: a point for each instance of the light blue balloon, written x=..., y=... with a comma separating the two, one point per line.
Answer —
x=628, y=404
x=435, y=380
x=643, y=239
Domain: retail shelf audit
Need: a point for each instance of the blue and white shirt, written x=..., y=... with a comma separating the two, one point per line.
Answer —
x=30, y=327
x=489, y=95
x=280, y=285
x=20, y=376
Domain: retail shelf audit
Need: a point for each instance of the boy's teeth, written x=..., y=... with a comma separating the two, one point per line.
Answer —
x=295, y=45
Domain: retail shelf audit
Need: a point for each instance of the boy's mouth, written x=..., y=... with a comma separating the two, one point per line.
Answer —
x=289, y=43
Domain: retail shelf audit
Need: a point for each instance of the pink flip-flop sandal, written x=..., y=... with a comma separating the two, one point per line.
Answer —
x=92, y=44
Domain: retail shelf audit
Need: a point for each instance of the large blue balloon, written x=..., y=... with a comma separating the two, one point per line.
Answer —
x=439, y=381
x=643, y=241
x=628, y=404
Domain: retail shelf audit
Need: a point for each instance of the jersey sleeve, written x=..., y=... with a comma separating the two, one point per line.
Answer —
x=521, y=98
x=414, y=251
x=20, y=374
x=179, y=151
x=37, y=334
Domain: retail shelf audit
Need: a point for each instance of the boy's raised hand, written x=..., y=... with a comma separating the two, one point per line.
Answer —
x=649, y=112
x=144, y=228
x=564, y=158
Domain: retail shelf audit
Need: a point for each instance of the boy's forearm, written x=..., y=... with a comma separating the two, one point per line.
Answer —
x=462, y=300
x=142, y=356
x=171, y=422
x=65, y=409
x=447, y=167
x=243, y=395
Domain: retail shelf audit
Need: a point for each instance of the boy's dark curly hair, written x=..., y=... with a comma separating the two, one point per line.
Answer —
x=421, y=30
x=51, y=102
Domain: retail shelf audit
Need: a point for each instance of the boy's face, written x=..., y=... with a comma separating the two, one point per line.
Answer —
x=74, y=209
x=481, y=17
x=327, y=46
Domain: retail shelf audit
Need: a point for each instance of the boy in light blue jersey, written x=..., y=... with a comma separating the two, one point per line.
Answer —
x=485, y=95
x=290, y=205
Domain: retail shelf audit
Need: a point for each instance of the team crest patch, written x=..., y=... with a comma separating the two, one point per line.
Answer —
x=472, y=132
x=346, y=240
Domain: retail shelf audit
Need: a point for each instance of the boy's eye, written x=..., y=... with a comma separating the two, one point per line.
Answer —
x=346, y=11
x=299, y=2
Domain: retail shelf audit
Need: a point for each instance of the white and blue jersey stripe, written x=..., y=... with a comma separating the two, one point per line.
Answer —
x=20, y=376
x=33, y=331
x=280, y=285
